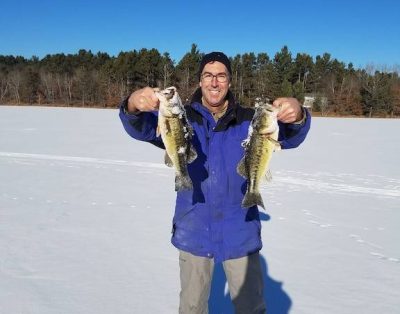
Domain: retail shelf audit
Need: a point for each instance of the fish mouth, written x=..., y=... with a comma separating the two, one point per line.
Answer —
x=169, y=92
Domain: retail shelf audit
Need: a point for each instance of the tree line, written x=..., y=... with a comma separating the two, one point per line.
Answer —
x=101, y=80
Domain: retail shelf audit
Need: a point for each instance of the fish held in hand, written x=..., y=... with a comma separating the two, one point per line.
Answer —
x=176, y=134
x=261, y=142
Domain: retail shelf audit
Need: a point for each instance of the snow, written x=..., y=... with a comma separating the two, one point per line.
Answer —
x=85, y=219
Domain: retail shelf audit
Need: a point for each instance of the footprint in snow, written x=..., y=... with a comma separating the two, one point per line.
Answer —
x=322, y=225
x=383, y=257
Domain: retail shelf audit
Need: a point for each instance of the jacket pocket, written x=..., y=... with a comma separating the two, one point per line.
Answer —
x=181, y=212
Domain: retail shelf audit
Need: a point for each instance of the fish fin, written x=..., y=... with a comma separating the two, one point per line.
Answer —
x=245, y=143
x=252, y=198
x=241, y=168
x=183, y=183
x=278, y=147
x=277, y=144
x=268, y=176
x=167, y=160
x=192, y=154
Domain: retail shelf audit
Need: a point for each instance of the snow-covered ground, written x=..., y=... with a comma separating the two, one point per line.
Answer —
x=85, y=219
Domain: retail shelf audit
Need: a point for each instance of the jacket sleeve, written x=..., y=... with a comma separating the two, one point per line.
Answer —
x=292, y=135
x=141, y=126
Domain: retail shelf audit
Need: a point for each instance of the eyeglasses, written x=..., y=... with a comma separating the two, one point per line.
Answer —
x=208, y=77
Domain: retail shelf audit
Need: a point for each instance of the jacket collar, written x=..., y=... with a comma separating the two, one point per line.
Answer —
x=230, y=114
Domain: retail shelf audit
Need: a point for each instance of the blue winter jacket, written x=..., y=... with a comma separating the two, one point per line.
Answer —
x=209, y=220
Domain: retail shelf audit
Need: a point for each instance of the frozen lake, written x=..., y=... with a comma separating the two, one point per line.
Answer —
x=85, y=219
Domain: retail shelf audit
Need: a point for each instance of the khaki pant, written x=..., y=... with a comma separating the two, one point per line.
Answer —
x=244, y=277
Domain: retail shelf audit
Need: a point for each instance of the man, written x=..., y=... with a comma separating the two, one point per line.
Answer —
x=209, y=224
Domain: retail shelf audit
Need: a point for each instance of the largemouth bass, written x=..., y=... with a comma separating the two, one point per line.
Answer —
x=261, y=141
x=176, y=134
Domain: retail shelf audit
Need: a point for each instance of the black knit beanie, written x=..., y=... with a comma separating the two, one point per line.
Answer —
x=215, y=56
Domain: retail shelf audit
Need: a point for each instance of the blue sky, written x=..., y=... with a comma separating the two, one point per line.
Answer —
x=357, y=31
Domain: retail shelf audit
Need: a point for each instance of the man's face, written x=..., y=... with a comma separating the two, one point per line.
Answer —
x=213, y=85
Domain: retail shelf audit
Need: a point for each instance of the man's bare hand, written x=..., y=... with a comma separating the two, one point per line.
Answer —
x=290, y=109
x=143, y=100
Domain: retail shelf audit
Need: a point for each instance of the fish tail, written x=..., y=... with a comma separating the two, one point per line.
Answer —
x=252, y=198
x=183, y=182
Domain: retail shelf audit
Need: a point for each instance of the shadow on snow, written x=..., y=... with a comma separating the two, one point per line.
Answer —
x=276, y=299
